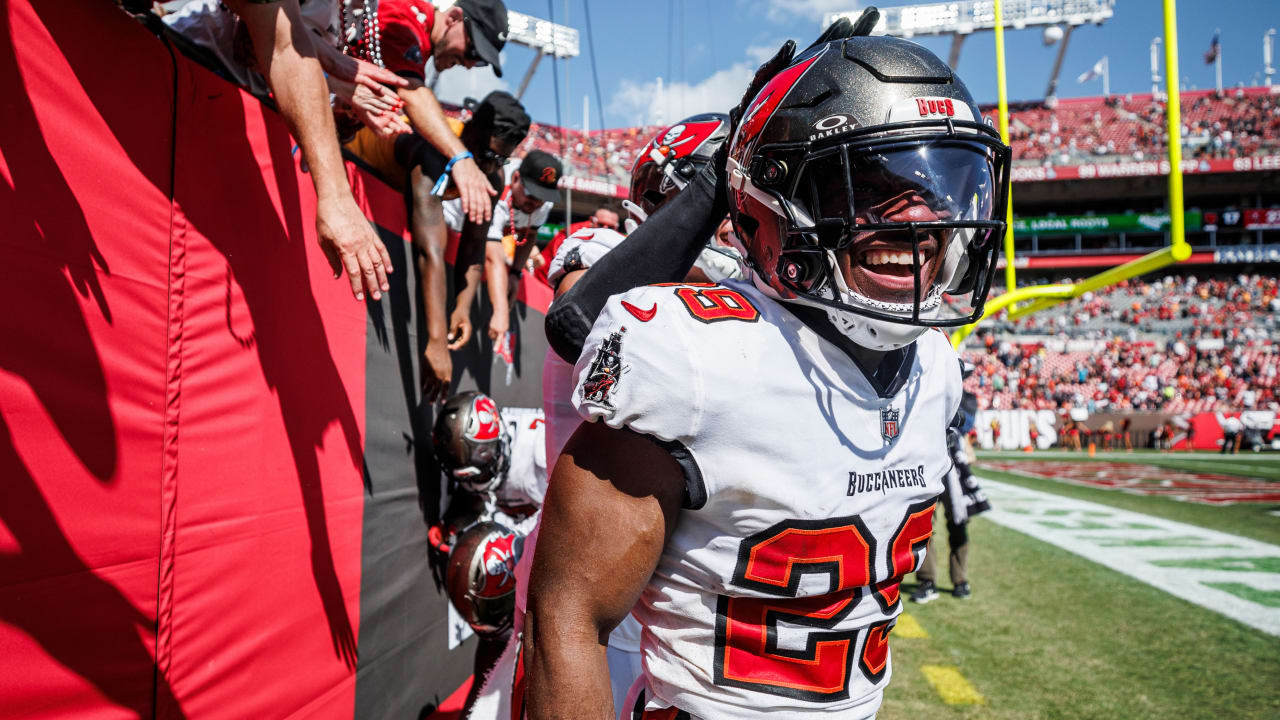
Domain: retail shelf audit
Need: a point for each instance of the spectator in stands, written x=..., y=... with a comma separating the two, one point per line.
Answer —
x=284, y=53
x=496, y=127
x=524, y=206
x=470, y=33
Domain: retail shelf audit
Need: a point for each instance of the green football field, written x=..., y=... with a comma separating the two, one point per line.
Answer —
x=1049, y=633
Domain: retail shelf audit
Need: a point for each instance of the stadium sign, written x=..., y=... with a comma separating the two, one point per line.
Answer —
x=1143, y=168
x=1262, y=219
x=594, y=187
x=1100, y=224
x=1247, y=254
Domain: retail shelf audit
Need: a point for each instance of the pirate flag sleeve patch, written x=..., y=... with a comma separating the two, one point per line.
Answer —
x=635, y=370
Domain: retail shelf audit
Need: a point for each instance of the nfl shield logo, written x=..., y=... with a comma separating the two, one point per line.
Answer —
x=889, y=423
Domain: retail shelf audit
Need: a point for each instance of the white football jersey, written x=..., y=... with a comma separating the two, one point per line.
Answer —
x=526, y=480
x=810, y=494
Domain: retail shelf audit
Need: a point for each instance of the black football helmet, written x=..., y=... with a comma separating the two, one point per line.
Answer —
x=481, y=577
x=470, y=442
x=864, y=182
x=671, y=159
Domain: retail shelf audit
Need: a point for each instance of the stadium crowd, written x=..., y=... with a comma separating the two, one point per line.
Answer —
x=1239, y=123
x=1177, y=344
x=1079, y=130
x=1239, y=308
x=1176, y=377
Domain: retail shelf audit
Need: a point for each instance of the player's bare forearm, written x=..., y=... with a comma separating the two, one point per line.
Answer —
x=612, y=502
x=568, y=281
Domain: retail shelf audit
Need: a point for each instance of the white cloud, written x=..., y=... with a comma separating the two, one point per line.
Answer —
x=759, y=53
x=782, y=10
x=642, y=104
x=458, y=83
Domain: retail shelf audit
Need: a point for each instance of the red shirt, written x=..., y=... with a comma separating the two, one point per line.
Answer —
x=406, y=35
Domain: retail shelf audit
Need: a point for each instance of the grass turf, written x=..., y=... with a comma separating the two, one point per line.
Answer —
x=1261, y=466
x=1245, y=519
x=1049, y=634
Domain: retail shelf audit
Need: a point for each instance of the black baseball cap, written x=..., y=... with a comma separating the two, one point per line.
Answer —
x=539, y=173
x=486, y=24
x=505, y=116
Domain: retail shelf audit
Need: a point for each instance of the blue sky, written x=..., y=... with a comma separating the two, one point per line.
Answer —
x=716, y=44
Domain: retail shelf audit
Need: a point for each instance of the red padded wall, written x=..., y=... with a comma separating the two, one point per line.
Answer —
x=84, y=231
x=181, y=391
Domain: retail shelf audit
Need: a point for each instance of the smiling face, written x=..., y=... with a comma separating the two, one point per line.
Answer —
x=879, y=264
x=925, y=184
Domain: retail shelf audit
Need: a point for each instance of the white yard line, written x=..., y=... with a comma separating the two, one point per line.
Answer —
x=1212, y=569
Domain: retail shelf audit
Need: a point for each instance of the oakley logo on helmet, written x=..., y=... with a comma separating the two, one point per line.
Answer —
x=484, y=419
x=830, y=125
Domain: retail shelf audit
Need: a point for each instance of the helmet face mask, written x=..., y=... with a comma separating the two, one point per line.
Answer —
x=885, y=217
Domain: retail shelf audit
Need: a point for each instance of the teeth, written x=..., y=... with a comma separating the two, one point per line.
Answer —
x=886, y=257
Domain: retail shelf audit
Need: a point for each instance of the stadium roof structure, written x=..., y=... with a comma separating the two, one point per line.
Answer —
x=963, y=18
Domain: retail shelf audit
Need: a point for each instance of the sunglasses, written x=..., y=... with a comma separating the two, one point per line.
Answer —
x=489, y=156
x=470, y=55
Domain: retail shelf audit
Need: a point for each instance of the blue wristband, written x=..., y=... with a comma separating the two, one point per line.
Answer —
x=443, y=181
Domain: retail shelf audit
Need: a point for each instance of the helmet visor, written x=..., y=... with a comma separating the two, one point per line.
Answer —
x=938, y=181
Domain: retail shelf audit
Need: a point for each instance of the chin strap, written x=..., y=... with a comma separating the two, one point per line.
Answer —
x=638, y=215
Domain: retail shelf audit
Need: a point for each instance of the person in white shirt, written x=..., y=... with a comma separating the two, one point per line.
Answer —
x=524, y=205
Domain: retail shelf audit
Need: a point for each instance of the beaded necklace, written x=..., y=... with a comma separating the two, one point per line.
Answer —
x=361, y=33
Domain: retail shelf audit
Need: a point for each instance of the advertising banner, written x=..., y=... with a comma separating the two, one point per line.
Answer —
x=1143, y=168
x=1102, y=224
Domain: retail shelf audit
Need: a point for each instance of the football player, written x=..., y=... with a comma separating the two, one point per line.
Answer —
x=496, y=468
x=496, y=455
x=664, y=168
x=764, y=456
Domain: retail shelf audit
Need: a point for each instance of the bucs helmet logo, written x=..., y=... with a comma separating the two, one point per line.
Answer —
x=889, y=423
x=497, y=568
x=673, y=134
x=484, y=423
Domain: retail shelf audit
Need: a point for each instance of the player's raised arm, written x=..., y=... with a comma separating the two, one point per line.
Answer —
x=612, y=503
